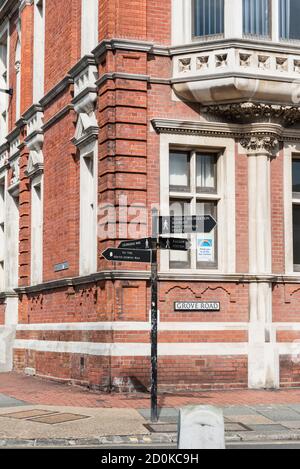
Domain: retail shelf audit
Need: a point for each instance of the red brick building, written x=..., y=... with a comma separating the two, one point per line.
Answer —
x=110, y=107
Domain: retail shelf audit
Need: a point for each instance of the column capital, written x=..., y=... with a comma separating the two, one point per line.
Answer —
x=260, y=144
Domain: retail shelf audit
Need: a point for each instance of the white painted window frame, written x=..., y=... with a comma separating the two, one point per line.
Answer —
x=89, y=26
x=226, y=193
x=37, y=230
x=39, y=50
x=291, y=151
x=4, y=29
x=88, y=250
x=3, y=181
x=18, y=66
x=182, y=22
x=11, y=261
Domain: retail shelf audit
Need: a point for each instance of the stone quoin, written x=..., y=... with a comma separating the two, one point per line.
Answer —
x=109, y=108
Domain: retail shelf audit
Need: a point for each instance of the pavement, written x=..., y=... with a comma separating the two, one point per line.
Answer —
x=38, y=413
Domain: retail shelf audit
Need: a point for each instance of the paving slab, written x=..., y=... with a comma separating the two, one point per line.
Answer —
x=293, y=425
x=267, y=428
x=166, y=414
x=295, y=407
x=6, y=401
x=101, y=423
x=251, y=419
x=278, y=414
x=238, y=410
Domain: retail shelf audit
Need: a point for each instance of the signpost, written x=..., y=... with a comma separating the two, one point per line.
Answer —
x=145, y=251
x=186, y=224
x=174, y=244
x=136, y=244
x=127, y=255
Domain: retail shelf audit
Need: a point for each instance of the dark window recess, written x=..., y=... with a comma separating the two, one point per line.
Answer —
x=296, y=178
x=289, y=13
x=296, y=234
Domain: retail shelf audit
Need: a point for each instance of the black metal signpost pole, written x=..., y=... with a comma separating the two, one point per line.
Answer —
x=154, y=304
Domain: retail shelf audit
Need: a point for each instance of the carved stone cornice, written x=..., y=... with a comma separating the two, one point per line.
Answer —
x=258, y=143
x=226, y=130
x=255, y=112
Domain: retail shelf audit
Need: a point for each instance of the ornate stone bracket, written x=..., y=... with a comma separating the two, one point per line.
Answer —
x=35, y=141
x=85, y=75
x=253, y=112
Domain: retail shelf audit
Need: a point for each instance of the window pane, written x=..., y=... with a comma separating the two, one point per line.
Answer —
x=296, y=233
x=207, y=242
x=289, y=14
x=206, y=177
x=208, y=17
x=256, y=17
x=179, y=171
x=180, y=260
x=296, y=176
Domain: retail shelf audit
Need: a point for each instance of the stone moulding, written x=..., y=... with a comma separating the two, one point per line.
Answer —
x=227, y=130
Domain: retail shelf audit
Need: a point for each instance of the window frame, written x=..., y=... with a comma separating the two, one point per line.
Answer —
x=88, y=259
x=4, y=31
x=269, y=36
x=282, y=39
x=295, y=202
x=226, y=253
x=193, y=198
x=206, y=37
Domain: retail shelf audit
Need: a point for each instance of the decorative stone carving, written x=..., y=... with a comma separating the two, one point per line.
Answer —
x=185, y=65
x=35, y=141
x=14, y=172
x=35, y=164
x=255, y=112
x=281, y=64
x=202, y=62
x=221, y=60
x=245, y=60
x=264, y=62
x=297, y=66
x=86, y=129
x=257, y=143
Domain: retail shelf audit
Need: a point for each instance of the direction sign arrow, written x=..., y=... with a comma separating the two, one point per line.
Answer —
x=187, y=224
x=127, y=255
x=174, y=244
x=136, y=244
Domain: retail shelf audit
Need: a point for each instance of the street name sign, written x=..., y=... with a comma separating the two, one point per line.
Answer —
x=187, y=224
x=127, y=255
x=197, y=306
x=174, y=244
x=145, y=243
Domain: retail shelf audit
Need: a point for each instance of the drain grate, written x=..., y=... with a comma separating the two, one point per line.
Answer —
x=58, y=418
x=26, y=414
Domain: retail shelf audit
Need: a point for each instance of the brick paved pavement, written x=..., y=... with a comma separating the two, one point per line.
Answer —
x=39, y=391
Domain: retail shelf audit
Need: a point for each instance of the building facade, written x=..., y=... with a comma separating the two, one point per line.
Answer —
x=109, y=108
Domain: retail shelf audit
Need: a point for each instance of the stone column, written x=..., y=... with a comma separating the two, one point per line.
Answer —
x=263, y=365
